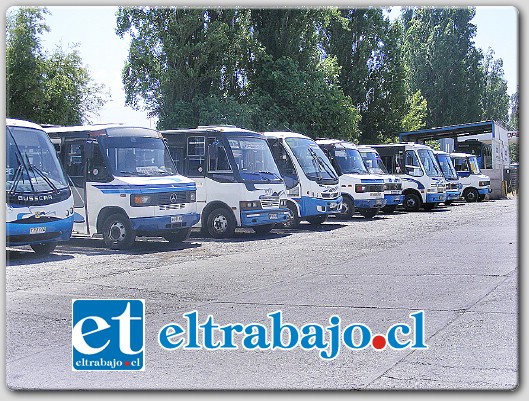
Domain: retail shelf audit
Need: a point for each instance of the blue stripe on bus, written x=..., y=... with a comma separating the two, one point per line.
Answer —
x=419, y=184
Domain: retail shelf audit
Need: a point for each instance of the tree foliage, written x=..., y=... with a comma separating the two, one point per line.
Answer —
x=343, y=73
x=514, y=110
x=495, y=98
x=443, y=63
x=367, y=47
x=47, y=89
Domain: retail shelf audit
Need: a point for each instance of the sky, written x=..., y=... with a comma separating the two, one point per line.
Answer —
x=92, y=28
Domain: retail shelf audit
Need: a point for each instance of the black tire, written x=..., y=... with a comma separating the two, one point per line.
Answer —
x=317, y=220
x=449, y=202
x=178, y=236
x=118, y=232
x=389, y=209
x=412, y=203
x=429, y=206
x=43, y=249
x=481, y=197
x=263, y=228
x=221, y=223
x=348, y=208
x=293, y=218
x=471, y=195
x=368, y=213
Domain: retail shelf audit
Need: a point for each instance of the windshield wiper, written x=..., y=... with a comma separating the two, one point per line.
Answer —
x=19, y=175
x=39, y=172
x=271, y=173
x=320, y=161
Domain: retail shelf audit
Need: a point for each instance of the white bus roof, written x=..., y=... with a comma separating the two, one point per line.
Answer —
x=284, y=134
x=456, y=154
x=22, y=123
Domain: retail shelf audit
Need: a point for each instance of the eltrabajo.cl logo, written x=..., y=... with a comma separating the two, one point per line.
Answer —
x=108, y=334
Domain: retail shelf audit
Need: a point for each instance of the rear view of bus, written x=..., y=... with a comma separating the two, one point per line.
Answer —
x=39, y=202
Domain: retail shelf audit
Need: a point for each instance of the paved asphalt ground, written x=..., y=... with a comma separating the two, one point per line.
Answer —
x=458, y=264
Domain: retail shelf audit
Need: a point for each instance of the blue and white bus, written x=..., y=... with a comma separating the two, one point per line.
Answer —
x=39, y=201
x=312, y=184
x=453, y=184
x=125, y=184
x=238, y=183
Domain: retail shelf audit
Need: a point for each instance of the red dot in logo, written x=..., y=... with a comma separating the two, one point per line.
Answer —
x=378, y=342
x=127, y=363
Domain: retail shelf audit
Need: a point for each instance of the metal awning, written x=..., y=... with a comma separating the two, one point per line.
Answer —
x=452, y=131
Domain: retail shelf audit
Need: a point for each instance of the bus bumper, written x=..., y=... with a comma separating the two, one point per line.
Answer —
x=393, y=199
x=263, y=216
x=162, y=223
x=453, y=195
x=315, y=206
x=484, y=191
x=369, y=203
x=39, y=233
x=435, y=198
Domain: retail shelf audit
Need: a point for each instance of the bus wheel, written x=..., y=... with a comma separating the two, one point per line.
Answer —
x=43, y=249
x=263, y=228
x=348, y=208
x=293, y=218
x=317, y=220
x=389, y=209
x=368, y=213
x=221, y=224
x=472, y=195
x=178, y=235
x=118, y=232
x=412, y=202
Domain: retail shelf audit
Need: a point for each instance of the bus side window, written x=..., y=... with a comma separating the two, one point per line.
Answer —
x=217, y=157
x=196, y=156
x=97, y=170
x=178, y=157
x=73, y=160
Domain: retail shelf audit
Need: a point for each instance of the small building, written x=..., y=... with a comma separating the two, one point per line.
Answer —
x=487, y=140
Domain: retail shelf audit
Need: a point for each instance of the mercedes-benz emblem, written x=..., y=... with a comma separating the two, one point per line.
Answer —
x=173, y=198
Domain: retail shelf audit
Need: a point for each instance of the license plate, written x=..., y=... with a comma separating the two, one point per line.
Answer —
x=176, y=219
x=37, y=230
x=273, y=216
x=375, y=194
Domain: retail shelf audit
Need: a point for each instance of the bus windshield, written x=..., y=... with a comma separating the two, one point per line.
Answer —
x=254, y=159
x=349, y=161
x=31, y=163
x=374, y=163
x=312, y=160
x=430, y=164
x=447, y=167
x=137, y=156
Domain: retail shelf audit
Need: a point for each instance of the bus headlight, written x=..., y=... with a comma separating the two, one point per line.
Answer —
x=141, y=200
x=359, y=188
x=484, y=183
x=250, y=205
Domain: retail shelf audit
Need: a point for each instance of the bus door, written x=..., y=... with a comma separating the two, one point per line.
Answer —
x=195, y=166
x=74, y=163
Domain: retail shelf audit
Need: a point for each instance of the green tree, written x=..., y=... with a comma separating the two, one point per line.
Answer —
x=367, y=47
x=514, y=110
x=55, y=89
x=495, y=99
x=443, y=62
x=291, y=98
x=294, y=84
x=415, y=117
x=183, y=59
x=24, y=59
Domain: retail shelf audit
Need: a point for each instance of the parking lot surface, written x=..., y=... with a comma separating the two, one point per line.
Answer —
x=458, y=264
